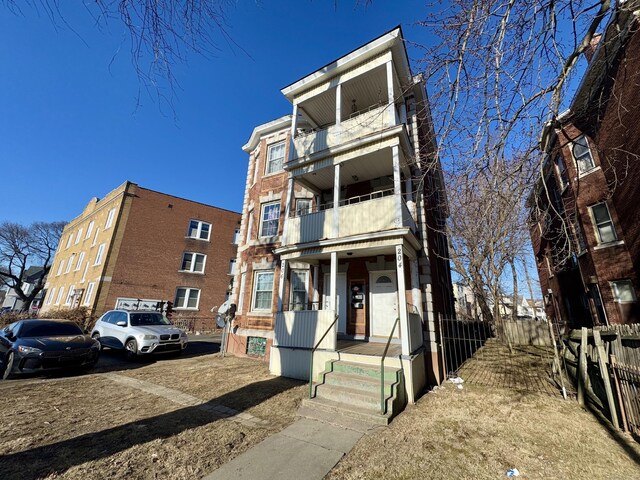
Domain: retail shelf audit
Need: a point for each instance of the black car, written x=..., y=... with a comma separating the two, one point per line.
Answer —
x=32, y=345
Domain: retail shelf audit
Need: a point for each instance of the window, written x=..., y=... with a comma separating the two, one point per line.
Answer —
x=581, y=244
x=71, y=260
x=99, y=254
x=69, y=240
x=249, y=227
x=70, y=295
x=263, y=291
x=563, y=175
x=59, y=297
x=256, y=166
x=187, y=298
x=275, y=157
x=303, y=206
x=582, y=154
x=243, y=282
x=200, y=230
x=80, y=260
x=95, y=238
x=232, y=266
x=60, y=267
x=270, y=218
x=110, y=216
x=84, y=273
x=87, y=296
x=50, y=296
x=604, y=226
x=298, y=289
x=78, y=237
x=236, y=236
x=89, y=230
x=623, y=291
x=193, y=262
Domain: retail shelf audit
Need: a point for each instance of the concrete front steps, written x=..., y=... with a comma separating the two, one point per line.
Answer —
x=348, y=394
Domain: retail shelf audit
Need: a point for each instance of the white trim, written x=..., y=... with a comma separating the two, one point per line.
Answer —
x=110, y=217
x=88, y=293
x=198, y=230
x=187, y=295
x=262, y=212
x=99, y=255
x=257, y=274
x=78, y=236
x=79, y=262
x=193, y=262
x=89, y=229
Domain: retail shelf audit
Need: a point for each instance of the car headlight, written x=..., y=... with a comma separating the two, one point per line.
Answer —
x=149, y=337
x=23, y=349
x=183, y=334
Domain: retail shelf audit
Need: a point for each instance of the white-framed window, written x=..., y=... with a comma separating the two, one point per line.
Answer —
x=236, y=236
x=79, y=262
x=603, y=224
x=187, y=298
x=262, y=291
x=110, y=216
x=99, y=255
x=299, y=294
x=249, y=227
x=232, y=266
x=582, y=154
x=95, y=238
x=269, y=219
x=89, y=229
x=275, y=158
x=60, y=294
x=303, y=206
x=623, y=291
x=60, y=267
x=88, y=294
x=70, y=263
x=78, y=236
x=84, y=273
x=563, y=175
x=256, y=166
x=50, y=295
x=72, y=291
x=193, y=262
x=69, y=240
x=243, y=282
x=199, y=229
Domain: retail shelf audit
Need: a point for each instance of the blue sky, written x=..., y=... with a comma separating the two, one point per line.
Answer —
x=71, y=127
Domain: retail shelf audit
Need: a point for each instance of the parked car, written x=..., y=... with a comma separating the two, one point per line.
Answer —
x=139, y=332
x=32, y=345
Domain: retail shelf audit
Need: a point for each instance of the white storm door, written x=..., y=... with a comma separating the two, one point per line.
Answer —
x=341, y=290
x=384, y=303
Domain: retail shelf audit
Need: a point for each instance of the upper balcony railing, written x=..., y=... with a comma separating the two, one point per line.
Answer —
x=370, y=213
x=360, y=124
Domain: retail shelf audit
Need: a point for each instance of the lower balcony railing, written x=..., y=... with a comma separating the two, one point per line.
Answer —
x=304, y=328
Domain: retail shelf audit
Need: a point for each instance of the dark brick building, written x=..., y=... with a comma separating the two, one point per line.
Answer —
x=586, y=233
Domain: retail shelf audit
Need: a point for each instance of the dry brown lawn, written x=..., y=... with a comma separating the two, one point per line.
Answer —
x=91, y=427
x=480, y=433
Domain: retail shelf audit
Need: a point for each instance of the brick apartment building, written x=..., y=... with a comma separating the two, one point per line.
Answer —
x=336, y=232
x=136, y=247
x=587, y=232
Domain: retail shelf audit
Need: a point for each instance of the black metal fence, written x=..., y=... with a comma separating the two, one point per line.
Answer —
x=461, y=339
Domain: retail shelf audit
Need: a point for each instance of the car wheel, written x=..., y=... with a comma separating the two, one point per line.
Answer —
x=96, y=336
x=8, y=366
x=131, y=348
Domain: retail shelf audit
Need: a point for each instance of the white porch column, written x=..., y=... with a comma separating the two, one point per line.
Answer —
x=335, y=227
x=338, y=110
x=402, y=302
x=283, y=275
x=287, y=208
x=294, y=123
x=397, y=188
x=416, y=296
x=334, y=282
x=316, y=293
x=408, y=197
x=390, y=94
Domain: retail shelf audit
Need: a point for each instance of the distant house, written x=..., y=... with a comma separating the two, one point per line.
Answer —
x=586, y=232
x=31, y=276
x=139, y=249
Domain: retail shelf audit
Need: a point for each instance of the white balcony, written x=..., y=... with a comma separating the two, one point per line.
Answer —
x=360, y=125
x=366, y=216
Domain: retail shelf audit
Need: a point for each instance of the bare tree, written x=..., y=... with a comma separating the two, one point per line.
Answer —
x=22, y=247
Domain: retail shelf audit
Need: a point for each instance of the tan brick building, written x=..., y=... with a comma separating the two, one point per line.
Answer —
x=136, y=247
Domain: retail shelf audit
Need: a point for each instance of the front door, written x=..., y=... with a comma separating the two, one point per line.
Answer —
x=384, y=303
x=357, y=324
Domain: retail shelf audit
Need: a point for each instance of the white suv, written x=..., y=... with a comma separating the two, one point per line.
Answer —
x=139, y=332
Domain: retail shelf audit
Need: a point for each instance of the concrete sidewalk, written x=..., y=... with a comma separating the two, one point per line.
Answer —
x=306, y=449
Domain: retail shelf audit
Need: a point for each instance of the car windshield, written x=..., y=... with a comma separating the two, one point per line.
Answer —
x=49, y=329
x=141, y=319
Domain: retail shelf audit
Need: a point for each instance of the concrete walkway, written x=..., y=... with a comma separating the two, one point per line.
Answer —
x=306, y=449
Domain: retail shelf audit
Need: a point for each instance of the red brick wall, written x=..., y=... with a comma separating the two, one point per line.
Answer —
x=153, y=244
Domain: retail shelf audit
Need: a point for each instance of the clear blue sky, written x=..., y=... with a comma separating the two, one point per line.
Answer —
x=70, y=127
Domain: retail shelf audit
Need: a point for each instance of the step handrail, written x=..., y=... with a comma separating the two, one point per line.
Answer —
x=383, y=405
x=313, y=351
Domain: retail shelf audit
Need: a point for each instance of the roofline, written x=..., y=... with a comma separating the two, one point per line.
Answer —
x=187, y=200
x=269, y=127
x=287, y=90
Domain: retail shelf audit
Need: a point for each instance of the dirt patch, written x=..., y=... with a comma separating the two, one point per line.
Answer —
x=91, y=427
x=480, y=433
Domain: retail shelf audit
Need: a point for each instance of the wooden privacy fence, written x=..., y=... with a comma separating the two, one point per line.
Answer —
x=528, y=332
x=605, y=365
